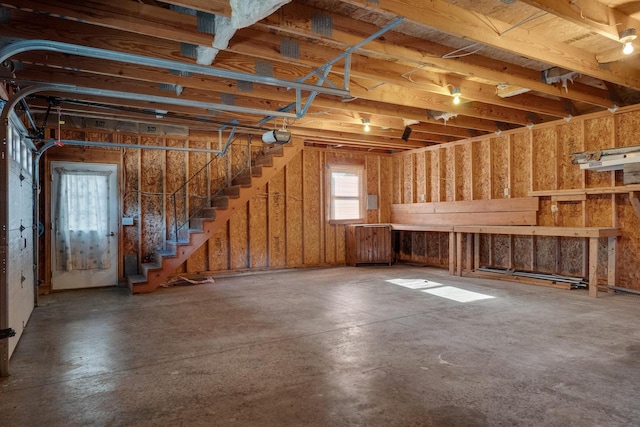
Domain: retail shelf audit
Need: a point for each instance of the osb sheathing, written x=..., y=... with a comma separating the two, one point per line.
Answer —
x=294, y=211
x=277, y=221
x=481, y=169
x=463, y=171
x=521, y=164
x=449, y=173
x=500, y=166
x=598, y=134
x=421, y=178
x=408, y=179
x=152, y=190
x=539, y=160
x=544, y=159
x=312, y=207
x=130, y=199
x=569, y=140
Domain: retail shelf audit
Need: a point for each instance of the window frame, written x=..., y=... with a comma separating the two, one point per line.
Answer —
x=355, y=168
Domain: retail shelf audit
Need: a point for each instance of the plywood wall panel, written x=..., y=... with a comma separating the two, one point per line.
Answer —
x=277, y=221
x=627, y=125
x=238, y=239
x=521, y=166
x=598, y=135
x=570, y=140
x=131, y=206
x=219, y=249
x=72, y=134
x=499, y=166
x=312, y=207
x=372, y=165
x=153, y=229
x=421, y=178
x=544, y=155
x=448, y=166
x=599, y=211
x=176, y=176
x=340, y=244
x=436, y=181
x=258, y=229
x=398, y=180
x=464, y=172
x=433, y=248
x=419, y=247
x=294, y=211
x=482, y=169
x=501, y=247
x=545, y=215
x=571, y=256
x=408, y=178
x=522, y=252
x=199, y=260
x=628, y=244
x=485, y=249
x=546, y=254
x=386, y=188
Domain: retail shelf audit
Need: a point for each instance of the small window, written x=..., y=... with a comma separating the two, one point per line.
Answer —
x=346, y=193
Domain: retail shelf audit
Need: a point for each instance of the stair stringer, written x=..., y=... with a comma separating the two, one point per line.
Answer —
x=167, y=264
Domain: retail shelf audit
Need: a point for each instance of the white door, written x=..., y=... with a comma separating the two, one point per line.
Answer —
x=84, y=218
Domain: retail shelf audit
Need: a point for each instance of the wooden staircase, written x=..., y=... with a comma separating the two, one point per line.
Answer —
x=212, y=218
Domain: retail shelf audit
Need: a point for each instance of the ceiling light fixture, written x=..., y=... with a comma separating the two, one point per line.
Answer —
x=626, y=38
x=456, y=93
x=365, y=122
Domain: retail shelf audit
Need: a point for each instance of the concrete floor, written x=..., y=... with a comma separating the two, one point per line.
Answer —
x=328, y=347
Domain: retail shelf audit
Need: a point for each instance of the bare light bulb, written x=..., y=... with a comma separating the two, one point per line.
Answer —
x=628, y=48
x=367, y=128
x=456, y=100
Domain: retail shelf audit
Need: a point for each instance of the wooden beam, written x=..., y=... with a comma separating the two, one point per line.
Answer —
x=140, y=18
x=453, y=19
x=25, y=25
x=216, y=7
x=593, y=15
x=295, y=19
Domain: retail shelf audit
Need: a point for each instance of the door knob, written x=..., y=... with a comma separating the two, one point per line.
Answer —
x=111, y=234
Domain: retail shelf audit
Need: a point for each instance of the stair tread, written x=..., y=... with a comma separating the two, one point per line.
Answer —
x=199, y=232
x=138, y=278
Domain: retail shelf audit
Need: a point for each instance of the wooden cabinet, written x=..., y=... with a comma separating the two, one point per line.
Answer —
x=369, y=244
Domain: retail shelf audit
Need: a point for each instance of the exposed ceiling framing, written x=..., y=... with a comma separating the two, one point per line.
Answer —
x=515, y=63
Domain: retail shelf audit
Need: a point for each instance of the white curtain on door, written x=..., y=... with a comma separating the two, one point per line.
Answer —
x=82, y=220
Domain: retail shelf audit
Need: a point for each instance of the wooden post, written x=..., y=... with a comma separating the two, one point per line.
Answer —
x=593, y=267
x=452, y=253
x=459, y=253
x=476, y=251
x=469, y=252
x=612, y=271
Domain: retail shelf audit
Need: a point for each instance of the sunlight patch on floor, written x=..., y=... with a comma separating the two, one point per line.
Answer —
x=457, y=294
x=415, y=283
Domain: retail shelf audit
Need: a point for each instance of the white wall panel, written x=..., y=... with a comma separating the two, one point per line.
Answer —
x=20, y=256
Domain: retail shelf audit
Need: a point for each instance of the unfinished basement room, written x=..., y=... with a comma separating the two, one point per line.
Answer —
x=320, y=213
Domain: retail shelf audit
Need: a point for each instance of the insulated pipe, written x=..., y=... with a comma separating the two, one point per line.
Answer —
x=92, y=52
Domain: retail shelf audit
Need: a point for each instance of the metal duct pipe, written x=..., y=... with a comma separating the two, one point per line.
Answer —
x=41, y=87
x=92, y=52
